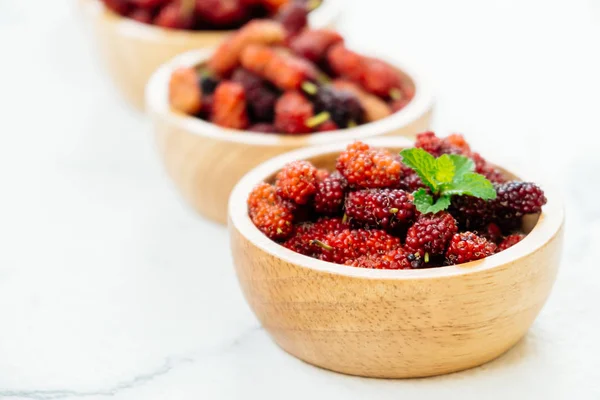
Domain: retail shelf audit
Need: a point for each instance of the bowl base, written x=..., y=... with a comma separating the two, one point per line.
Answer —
x=403, y=372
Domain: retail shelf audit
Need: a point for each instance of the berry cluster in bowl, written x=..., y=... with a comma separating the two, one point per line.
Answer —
x=278, y=76
x=202, y=14
x=436, y=204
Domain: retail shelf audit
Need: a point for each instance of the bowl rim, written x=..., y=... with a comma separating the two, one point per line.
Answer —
x=157, y=103
x=548, y=226
x=323, y=16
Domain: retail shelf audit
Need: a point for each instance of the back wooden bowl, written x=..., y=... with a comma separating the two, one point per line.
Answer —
x=205, y=161
x=392, y=324
x=132, y=51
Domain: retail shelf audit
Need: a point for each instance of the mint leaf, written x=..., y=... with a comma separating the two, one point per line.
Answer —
x=471, y=184
x=445, y=169
x=424, y=202
x=462, y=165
x=441, y=204
x=424, y=165
x=448, y=175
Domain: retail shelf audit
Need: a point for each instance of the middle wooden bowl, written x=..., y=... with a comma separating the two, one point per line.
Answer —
x=205, y=161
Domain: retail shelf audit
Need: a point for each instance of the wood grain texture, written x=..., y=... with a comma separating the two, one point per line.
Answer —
x=206, y=161
x=132, y=51
x=393, y=324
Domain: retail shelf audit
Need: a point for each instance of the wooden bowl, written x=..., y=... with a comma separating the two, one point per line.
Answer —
x=132, y=51
x=205, y=161
x=392, y=324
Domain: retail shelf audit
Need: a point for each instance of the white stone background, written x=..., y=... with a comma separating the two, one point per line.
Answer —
x=111, y=288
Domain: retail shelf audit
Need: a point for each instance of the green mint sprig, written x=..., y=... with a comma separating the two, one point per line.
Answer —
x=448, y=175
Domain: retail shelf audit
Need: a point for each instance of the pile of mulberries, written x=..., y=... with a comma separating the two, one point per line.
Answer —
x=211, y=15
x=363, y=214
x=279, y=76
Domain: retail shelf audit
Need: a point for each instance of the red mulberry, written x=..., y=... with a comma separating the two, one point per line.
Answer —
x=394, y=259
x=467, y=246
x=383, y=208
x=431, y=234
x=351, y=244
x=297, y=181
x=306, y=235
x=509, y=241
x=329, y=198
x=269, y=213
x=365, y=167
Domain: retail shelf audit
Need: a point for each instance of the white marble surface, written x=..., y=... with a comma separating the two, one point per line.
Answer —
x=111, y=288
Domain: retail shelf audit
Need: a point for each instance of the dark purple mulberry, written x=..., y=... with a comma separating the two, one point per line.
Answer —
x=342, y=105
x=260, y=95
x=519, y=198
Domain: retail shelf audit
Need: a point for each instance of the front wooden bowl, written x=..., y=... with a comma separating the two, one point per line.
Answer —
x=392, y=324
x=205, y=161
x=132, y=51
